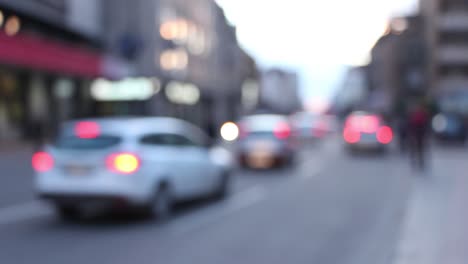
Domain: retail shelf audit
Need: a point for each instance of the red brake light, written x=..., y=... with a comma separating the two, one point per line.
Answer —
x=365, y=124
x=282, y=131
x=42, y=162
x=124, y=163
x=351, y=136
x=369, y=124
x=385, y=135
x=87, y=130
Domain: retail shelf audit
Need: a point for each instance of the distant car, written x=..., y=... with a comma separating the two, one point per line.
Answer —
x=265, y=141
x=147, y=163
x=449, y=126
x=366, y=131
x=309, y=126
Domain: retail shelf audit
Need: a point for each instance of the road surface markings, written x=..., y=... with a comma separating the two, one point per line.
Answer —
x=22, y=212
x=420, y=237
x=237, y=202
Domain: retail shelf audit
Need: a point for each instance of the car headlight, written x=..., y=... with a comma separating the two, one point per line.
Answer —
x=439, y=123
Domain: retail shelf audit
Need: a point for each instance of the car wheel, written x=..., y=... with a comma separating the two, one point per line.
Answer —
x=68, y=213
x=161, y=206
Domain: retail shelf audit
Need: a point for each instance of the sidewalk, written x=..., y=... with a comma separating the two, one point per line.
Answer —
x=435, y=229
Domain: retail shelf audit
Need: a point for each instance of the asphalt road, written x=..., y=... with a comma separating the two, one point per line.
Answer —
x=330, y=208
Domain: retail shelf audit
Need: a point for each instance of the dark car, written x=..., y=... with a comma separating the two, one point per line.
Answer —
x=265, y=141
x=449, y=127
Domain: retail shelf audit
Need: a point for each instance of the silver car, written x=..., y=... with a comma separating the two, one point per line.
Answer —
x=147, y=163
x=265, y=141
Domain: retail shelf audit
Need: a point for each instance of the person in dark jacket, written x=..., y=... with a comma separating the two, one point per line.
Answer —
x=418, y=130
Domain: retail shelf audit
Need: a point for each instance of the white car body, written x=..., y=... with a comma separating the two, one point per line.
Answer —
x=190, y=170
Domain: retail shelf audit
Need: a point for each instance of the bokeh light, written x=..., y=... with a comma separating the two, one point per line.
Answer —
x=229, y=131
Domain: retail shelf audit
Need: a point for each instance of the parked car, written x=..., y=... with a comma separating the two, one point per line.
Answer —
x=147, y=163
x=366, y=131
x=449, y=126
x=265, y=141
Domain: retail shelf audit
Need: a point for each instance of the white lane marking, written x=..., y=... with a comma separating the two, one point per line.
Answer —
x=237, y=202
x=23, y=211
x=419, y=243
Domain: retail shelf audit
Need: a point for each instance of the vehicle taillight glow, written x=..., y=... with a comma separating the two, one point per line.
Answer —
x=351, y=136
x=282, y=131
x=42, y=162
x=364, y=124
x=123, y=163
x=87, y=130
x=369, y=124
x=385, y=135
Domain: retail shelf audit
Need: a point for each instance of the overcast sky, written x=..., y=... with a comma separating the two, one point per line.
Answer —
x=315, y=37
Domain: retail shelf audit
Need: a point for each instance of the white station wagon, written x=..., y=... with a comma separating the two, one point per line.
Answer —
x=147, y=163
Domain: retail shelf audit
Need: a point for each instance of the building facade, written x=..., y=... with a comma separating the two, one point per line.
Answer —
x=353, y=92
x=279, y=91
x=49, y=51
x=190, y=50
x=398, y=71
x=62, y=59
x=447, y=34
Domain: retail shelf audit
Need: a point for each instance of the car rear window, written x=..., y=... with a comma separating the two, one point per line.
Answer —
x=261, y=125
x=101, y=142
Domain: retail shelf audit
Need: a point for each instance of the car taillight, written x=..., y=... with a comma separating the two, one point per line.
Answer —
x=282, y=131
x=123, y=163
x=385, y=135
x=42, y=162
x=369, y=124
x=351, y=136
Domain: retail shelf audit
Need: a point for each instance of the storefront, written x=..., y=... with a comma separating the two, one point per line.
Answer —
x=41, y=84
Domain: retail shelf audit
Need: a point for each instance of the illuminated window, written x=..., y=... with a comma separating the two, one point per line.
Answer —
x=12, y=26
x=174, y=59
x=168, y=30
x=2, y=18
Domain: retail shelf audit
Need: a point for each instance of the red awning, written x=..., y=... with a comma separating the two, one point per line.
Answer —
x=41, y=54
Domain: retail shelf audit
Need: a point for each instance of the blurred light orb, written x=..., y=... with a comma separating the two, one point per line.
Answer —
x=12, y=26
x=2, y=18
x=439, y=123
x=229, y=131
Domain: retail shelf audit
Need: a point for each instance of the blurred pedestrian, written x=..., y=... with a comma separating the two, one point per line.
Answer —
x=402, y=129
x=418, y=126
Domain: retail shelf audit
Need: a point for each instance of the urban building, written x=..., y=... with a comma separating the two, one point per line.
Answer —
x=446, y=33
x=398, y=69
x=62, y=59
x=279, y=91
x=49, y=51
x=190, y=54
x=353, y=92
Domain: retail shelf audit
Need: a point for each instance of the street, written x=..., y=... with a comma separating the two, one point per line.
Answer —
x=332, y=208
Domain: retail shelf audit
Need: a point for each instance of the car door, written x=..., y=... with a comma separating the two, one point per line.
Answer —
x=167, y=153
x=198, y=159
